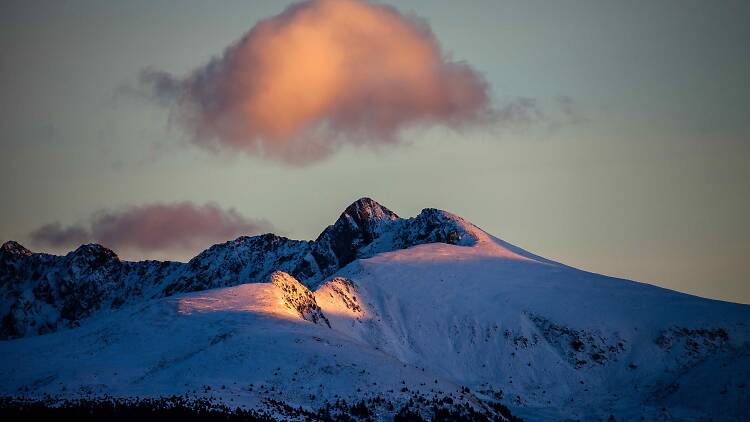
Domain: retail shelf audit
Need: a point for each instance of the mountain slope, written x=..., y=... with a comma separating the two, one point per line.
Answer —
x=244, y=345
x=548, y=335
x=429, y=305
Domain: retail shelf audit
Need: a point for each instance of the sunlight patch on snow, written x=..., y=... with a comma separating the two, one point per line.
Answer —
x=259, y=298
x=339, y=297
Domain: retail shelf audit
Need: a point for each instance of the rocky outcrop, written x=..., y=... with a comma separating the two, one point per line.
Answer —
x=298, y=297
x=345, y=291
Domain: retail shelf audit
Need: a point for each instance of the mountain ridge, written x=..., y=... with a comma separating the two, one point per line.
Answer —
x=41, y=293
x=418, y=311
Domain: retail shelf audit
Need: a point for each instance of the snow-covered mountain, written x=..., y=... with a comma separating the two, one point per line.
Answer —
x=41, y=293
x=378, y=307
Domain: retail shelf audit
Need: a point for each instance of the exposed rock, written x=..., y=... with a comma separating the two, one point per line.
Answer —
x=360, y=224
x=42, y=293
x=582, y=348
x=244, y=260
x=14, y=248
x=346, y=291
x=298, y=297
x=691, y=345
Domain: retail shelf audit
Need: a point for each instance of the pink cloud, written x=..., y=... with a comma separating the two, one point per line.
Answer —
x=321, y=74
x=155, y=230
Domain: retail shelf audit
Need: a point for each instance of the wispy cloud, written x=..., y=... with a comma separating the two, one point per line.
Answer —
x=164, y=230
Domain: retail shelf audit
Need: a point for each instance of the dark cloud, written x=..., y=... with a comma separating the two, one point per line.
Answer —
x=174, y=229
x=57, y=236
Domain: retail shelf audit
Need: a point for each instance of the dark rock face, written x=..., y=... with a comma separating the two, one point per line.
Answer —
x=359, y=224
x=244, y=260
x=41, y=293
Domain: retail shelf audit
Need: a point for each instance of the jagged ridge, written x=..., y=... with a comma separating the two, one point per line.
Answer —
x=41, y=293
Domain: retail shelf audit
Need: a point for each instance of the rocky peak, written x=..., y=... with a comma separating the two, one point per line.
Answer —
x=14, y=248
x=366, y=210
x=93, y=254
x=359, y=224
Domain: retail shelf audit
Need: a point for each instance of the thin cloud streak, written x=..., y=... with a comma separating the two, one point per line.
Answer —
x=162, y=229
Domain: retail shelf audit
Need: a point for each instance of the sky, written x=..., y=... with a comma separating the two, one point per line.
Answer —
x=610, y=136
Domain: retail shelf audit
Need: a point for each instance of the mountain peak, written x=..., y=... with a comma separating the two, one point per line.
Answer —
x=359, y=224
x=95, y=252
x=367, y=209
x=14, y=248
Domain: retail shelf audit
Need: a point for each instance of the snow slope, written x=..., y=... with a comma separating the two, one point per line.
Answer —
x=241, y=344
x=550, y=341
x=494, y=317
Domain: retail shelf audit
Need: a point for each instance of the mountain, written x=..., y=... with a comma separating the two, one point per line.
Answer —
x=41, y=293
x=410, y=312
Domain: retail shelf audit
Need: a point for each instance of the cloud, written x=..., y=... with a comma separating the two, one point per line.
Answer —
x=321, y=74
x=571, y=110
x=57, y=236
x=154, y=230
x=521, y=112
